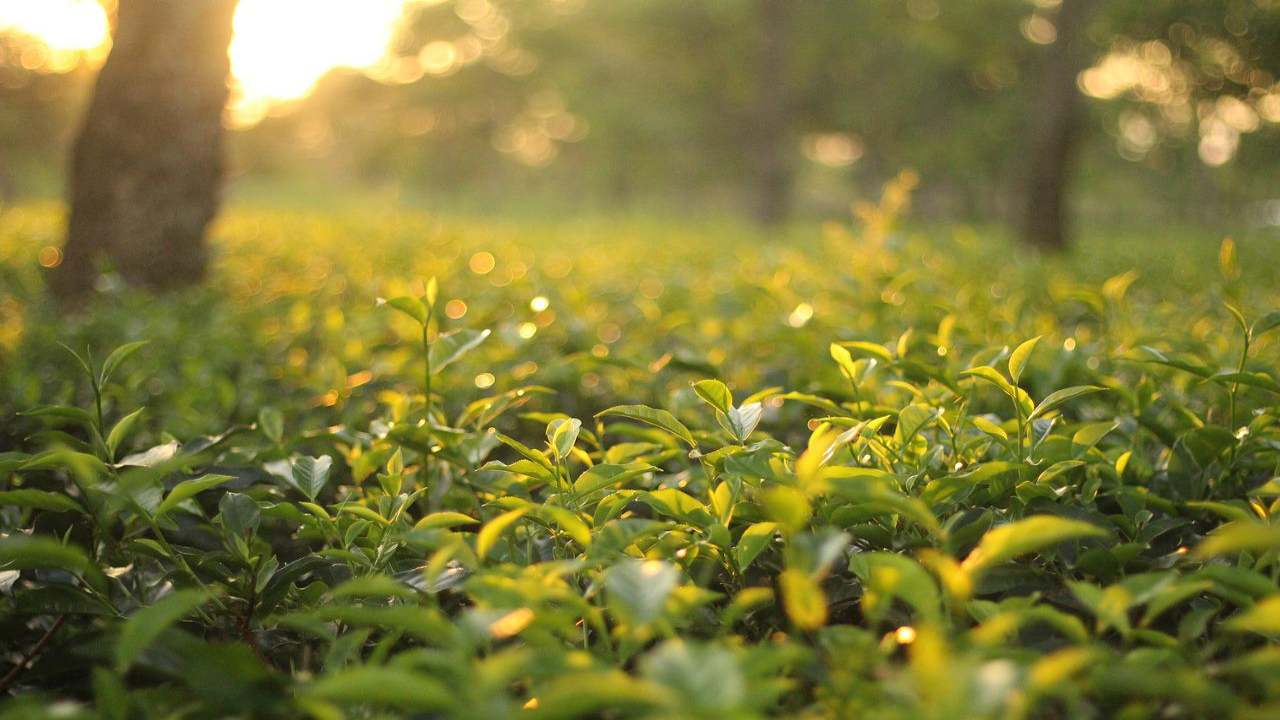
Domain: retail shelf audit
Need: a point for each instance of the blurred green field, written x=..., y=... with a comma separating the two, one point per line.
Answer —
x=293, y=290
x=884, y=511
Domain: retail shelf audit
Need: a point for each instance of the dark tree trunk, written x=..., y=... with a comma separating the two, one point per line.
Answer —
x=772, y=116
x=1054, y=127
x=147, y=166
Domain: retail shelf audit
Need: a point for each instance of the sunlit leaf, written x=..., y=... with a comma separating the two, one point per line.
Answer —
x=658, y=418
x=1018, y=358
x=1239, y=537
x=495, y=528
x=410, y=306
x=1026, y=536
x=715, y=393
x=753, y=541
x=803, y=600
x=1263, y=618
x=188, y=489
x=451, y=346
x=1058, y=397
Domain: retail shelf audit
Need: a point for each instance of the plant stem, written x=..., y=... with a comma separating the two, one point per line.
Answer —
x=426, y=352
x=1235, y=386
x=11, y=676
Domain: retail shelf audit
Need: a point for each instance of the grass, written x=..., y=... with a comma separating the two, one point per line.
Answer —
x=690, y=472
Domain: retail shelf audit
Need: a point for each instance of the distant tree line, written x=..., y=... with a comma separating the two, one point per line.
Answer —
x=758, y=104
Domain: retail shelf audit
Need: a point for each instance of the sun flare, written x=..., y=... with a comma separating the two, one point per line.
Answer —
x=282, y=47
x=279, y=50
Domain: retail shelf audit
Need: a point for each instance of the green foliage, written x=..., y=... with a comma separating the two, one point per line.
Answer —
x=653, y=491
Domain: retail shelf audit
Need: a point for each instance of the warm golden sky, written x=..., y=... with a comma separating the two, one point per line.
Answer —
x=281, y=47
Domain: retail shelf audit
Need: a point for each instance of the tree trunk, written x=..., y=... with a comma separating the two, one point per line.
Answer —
x=772, y=116
x=147, y=166
x=1054, y=130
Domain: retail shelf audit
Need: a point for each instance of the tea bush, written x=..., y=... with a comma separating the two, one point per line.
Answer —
x=634, y=470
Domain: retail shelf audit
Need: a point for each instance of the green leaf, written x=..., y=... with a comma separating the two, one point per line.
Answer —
x=83, y=362
x=598, y=694
x=526, y=452
x=568, y=521
x=753, y=541
x=451, y=346
x=598, y=477
x=1059, y=397
x=307, y=475
x=1110, y=605
x=787, y=506
x=677, y=504
x=709, y=677
x=361, y=511
x=716, y=394
x=143, y=627
x=562, y=434
x=240, y=514
x=876, y=496
x=39, y=500
x=1026, y=536
x=1266, y=323
x=803, y=600
x=410, y=306
x=494, y=529
x=989, y=427
x=911, y=420
x=121, y=431
x=992, y=376
x=1159, y=358
x=870, y=348
x=658, y=418
x=1018, y=359
x=1237, y=537
x=382, y=686
x=28, y=552
x=741, y=421
x=844, y=359
x=63, y=413
x=271, y=423
x=432, y=291
x=188, y=489
x=1263, y=618
x=887, y=576
x=639, y=589
x=118, y=356
x=151, y=457
x=1225, y=511
x=815, y=400
x=1057, y=469
x=1239, y=316
x=1089, y=435
x=1250, y=378
x=445, y=519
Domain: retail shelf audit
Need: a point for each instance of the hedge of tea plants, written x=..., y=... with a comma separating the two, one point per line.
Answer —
x=388, y=465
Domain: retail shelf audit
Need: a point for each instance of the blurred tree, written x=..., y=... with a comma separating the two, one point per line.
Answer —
x=1054, y=128
x=773, y=122
x=147, y=165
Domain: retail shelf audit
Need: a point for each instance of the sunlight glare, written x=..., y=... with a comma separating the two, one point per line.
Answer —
x=282, y=47
x=279, y=50
x=64, y=25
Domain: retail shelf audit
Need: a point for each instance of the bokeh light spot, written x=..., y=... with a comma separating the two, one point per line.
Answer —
x=482, y=262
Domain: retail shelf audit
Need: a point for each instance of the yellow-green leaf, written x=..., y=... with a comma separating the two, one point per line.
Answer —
x=494, y=529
